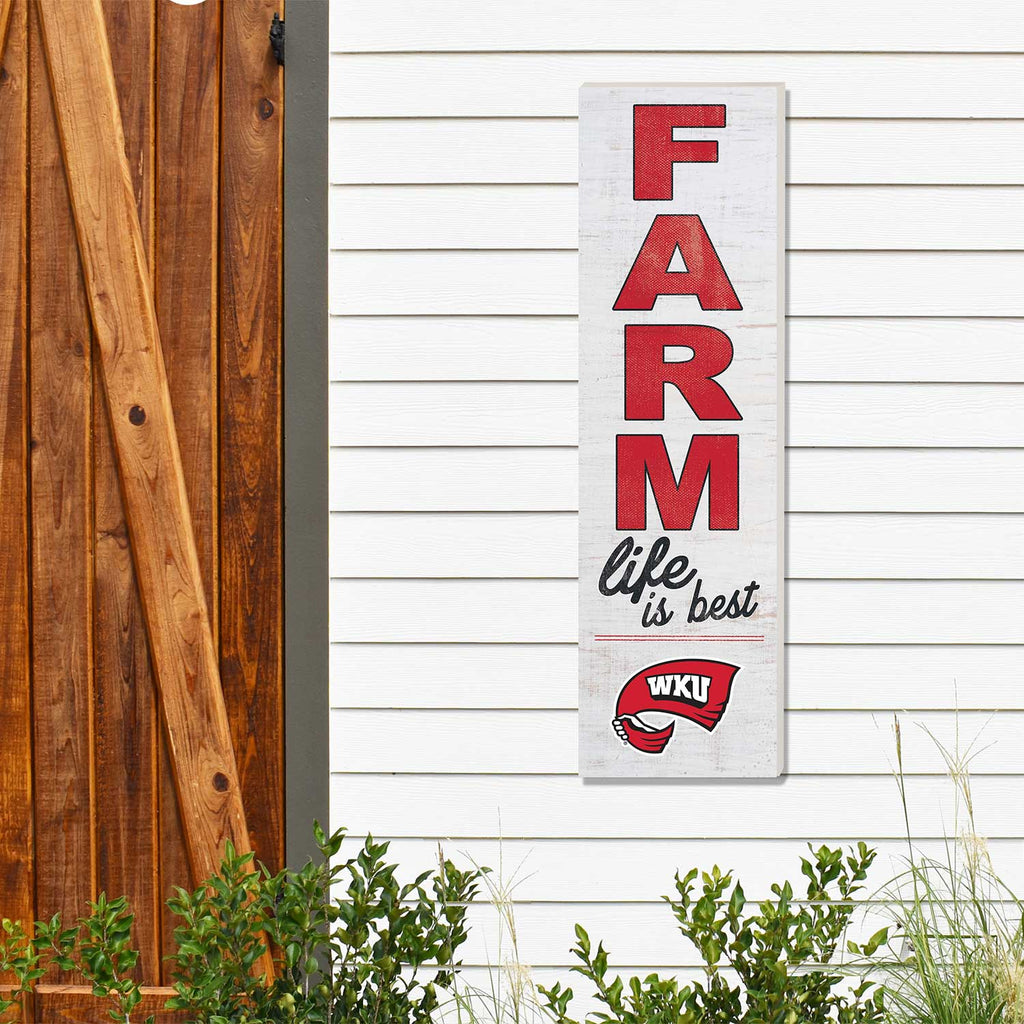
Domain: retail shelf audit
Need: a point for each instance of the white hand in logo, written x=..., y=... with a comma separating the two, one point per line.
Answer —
x=634, y=720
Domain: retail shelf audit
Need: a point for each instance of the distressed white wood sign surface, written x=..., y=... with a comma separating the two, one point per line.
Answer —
x=680, y=365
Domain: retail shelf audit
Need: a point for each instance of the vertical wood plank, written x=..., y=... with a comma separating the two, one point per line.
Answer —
x=126, y=704
x=188, y=124
x=62, y=531
x=16, y=866
x=137, y=396
x=250, y=413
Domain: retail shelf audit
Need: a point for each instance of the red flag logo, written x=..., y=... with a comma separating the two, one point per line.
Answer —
x=694, y=688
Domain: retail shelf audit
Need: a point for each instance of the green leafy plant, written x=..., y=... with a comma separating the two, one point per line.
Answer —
x=348, y=941
x=783, y=955
x=956, y=955
x=377, y=952
x=20, y=957
x=104, y=956
x=220, y=940
x=98, y=947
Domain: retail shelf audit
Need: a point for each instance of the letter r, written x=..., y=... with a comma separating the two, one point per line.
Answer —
x=647, y=371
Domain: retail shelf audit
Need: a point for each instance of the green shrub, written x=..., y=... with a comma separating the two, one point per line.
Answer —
x=349, y=943
x=98, y=947
x=377, y=953
x=22, y=958
x=782, y=955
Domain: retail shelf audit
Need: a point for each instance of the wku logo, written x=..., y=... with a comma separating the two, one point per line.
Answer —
x=695, y=689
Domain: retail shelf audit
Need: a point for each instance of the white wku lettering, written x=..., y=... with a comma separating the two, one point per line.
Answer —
x=689, y=687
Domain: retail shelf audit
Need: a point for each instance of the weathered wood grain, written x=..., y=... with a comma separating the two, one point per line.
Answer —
x=250, y=413
x=75, y=1004
x=104, y=810
x=6, y=10
x=744, y=193
x=185, y=275
x=126, y=702
x=62, y=530
x=185, y=290
x=16, y=865
x=152, y=480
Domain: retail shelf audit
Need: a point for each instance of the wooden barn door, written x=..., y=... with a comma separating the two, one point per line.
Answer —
x=87, y=799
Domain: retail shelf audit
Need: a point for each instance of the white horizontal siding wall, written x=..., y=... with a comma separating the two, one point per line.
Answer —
x=453, y=426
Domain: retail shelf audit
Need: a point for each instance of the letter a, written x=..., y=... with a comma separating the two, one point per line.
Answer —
x=704, y=277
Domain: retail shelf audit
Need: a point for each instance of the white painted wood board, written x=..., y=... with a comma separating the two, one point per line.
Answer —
x=544, y=611
x=538, y=479
x=542, y=545
x=903, y=135
x=416, y=25
x=871, y=151
x=836, y=677
x=844, y=415
x=537, y=84
x=873, y=217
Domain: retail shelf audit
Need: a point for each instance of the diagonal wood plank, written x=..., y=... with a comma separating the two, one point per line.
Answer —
x=6, y=7
x=138, y=401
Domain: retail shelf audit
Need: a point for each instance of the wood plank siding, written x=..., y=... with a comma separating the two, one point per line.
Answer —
x=87, y=798
x=454, y=355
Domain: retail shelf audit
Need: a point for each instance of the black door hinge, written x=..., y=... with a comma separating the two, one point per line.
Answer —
x=277, y=38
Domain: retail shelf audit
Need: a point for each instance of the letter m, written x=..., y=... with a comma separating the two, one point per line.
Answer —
x=712, y=461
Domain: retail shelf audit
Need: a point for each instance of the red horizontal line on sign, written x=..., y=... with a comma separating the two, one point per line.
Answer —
x=680, y=639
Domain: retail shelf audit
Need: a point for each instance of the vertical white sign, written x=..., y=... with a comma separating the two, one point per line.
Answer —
x=681, y=430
